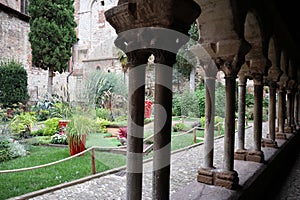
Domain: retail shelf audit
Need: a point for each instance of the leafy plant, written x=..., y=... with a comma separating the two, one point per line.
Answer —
x=179, y=127
x=22, y=124
x=51, y=126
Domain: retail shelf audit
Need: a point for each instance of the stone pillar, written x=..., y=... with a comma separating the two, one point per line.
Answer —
x=229, y=123
x=162, y=124
x=240, y=153
x=296, y=110
x=241, y=111
x=272, y=116
x=257, y=155
x=136, y=104
x=205, y=173
x=210, y=82
x=289, y=107
x=281, y=113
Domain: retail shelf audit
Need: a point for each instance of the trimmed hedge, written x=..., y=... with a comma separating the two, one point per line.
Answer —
x=13, y=83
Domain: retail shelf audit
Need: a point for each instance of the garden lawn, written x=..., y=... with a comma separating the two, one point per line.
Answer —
x=15, y=184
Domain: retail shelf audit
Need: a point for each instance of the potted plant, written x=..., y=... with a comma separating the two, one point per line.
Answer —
x=78, y=128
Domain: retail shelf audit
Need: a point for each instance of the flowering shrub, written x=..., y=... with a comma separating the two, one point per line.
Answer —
x=59, y=139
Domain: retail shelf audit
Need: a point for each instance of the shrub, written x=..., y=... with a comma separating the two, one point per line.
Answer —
x=51, y=126
x=179, y=127
x=10, y=149
x=13, y=77
x=22, y=124
x=101, y=125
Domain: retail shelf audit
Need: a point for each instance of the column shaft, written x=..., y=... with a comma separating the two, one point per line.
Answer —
x=135, y=132
x=162, y=132
x=289, y=107
x=229, y=124
x=209, y=122
x=258, y=95
x=281, y=111
x=241, y=113
x=272, y=110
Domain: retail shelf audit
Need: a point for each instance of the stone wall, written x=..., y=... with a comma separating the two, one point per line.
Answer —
x=14, y=30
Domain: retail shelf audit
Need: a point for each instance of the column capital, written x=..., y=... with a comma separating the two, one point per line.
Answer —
x=258, y=79
x=137, y=57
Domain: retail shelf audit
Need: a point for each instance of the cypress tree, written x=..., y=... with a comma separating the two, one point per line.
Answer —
x=52, y=35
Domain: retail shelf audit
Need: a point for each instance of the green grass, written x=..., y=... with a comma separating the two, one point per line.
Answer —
x=15, y=184
x=98, y=139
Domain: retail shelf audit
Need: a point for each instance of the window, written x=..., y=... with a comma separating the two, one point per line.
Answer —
x=24, y=7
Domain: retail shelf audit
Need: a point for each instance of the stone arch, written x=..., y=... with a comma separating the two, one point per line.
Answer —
x=272, y=52
x=253, y=35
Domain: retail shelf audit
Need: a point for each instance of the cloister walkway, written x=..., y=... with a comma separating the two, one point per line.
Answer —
x=184, y=166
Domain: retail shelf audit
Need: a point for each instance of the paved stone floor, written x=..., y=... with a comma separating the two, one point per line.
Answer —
x=184, y=167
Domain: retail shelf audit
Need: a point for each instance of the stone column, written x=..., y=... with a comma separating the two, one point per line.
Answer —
x=289, y=107
x=296, y=111
x=205, y=173
x=257, y=155
x=162, y=124
x=210, y=82
x=136, y=104
x=241, y=111
x=240, y=153
x=229, y=123
x=281, y=113
x=272, y=116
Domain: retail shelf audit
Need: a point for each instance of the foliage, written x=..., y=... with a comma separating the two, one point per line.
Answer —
x=103, y=113
x=51, y=126
x=13, y=77
x=61, y=109
x=185, y=104
x=179, y=127
x=220, y=100
x=10, y=149
x=52, y=34
x=186, y=60
x=59, y=139
x=80, y=124
x=100, y=87
x=200, y=94
x=101, y=124
x=22, y=124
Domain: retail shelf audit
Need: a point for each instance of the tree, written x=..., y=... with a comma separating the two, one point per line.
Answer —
x=186, y=60
x=52, y=35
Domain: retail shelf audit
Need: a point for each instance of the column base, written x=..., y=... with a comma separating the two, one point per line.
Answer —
x=288, y=129
x=255, y=156
x=227, y=179
x=269, y=143
x=281, y=136
x=211, y=176
x=240, y=154
x=206, y=175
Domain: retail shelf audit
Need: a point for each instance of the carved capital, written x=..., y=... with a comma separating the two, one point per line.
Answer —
x=137, y=57
x=274, y=74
